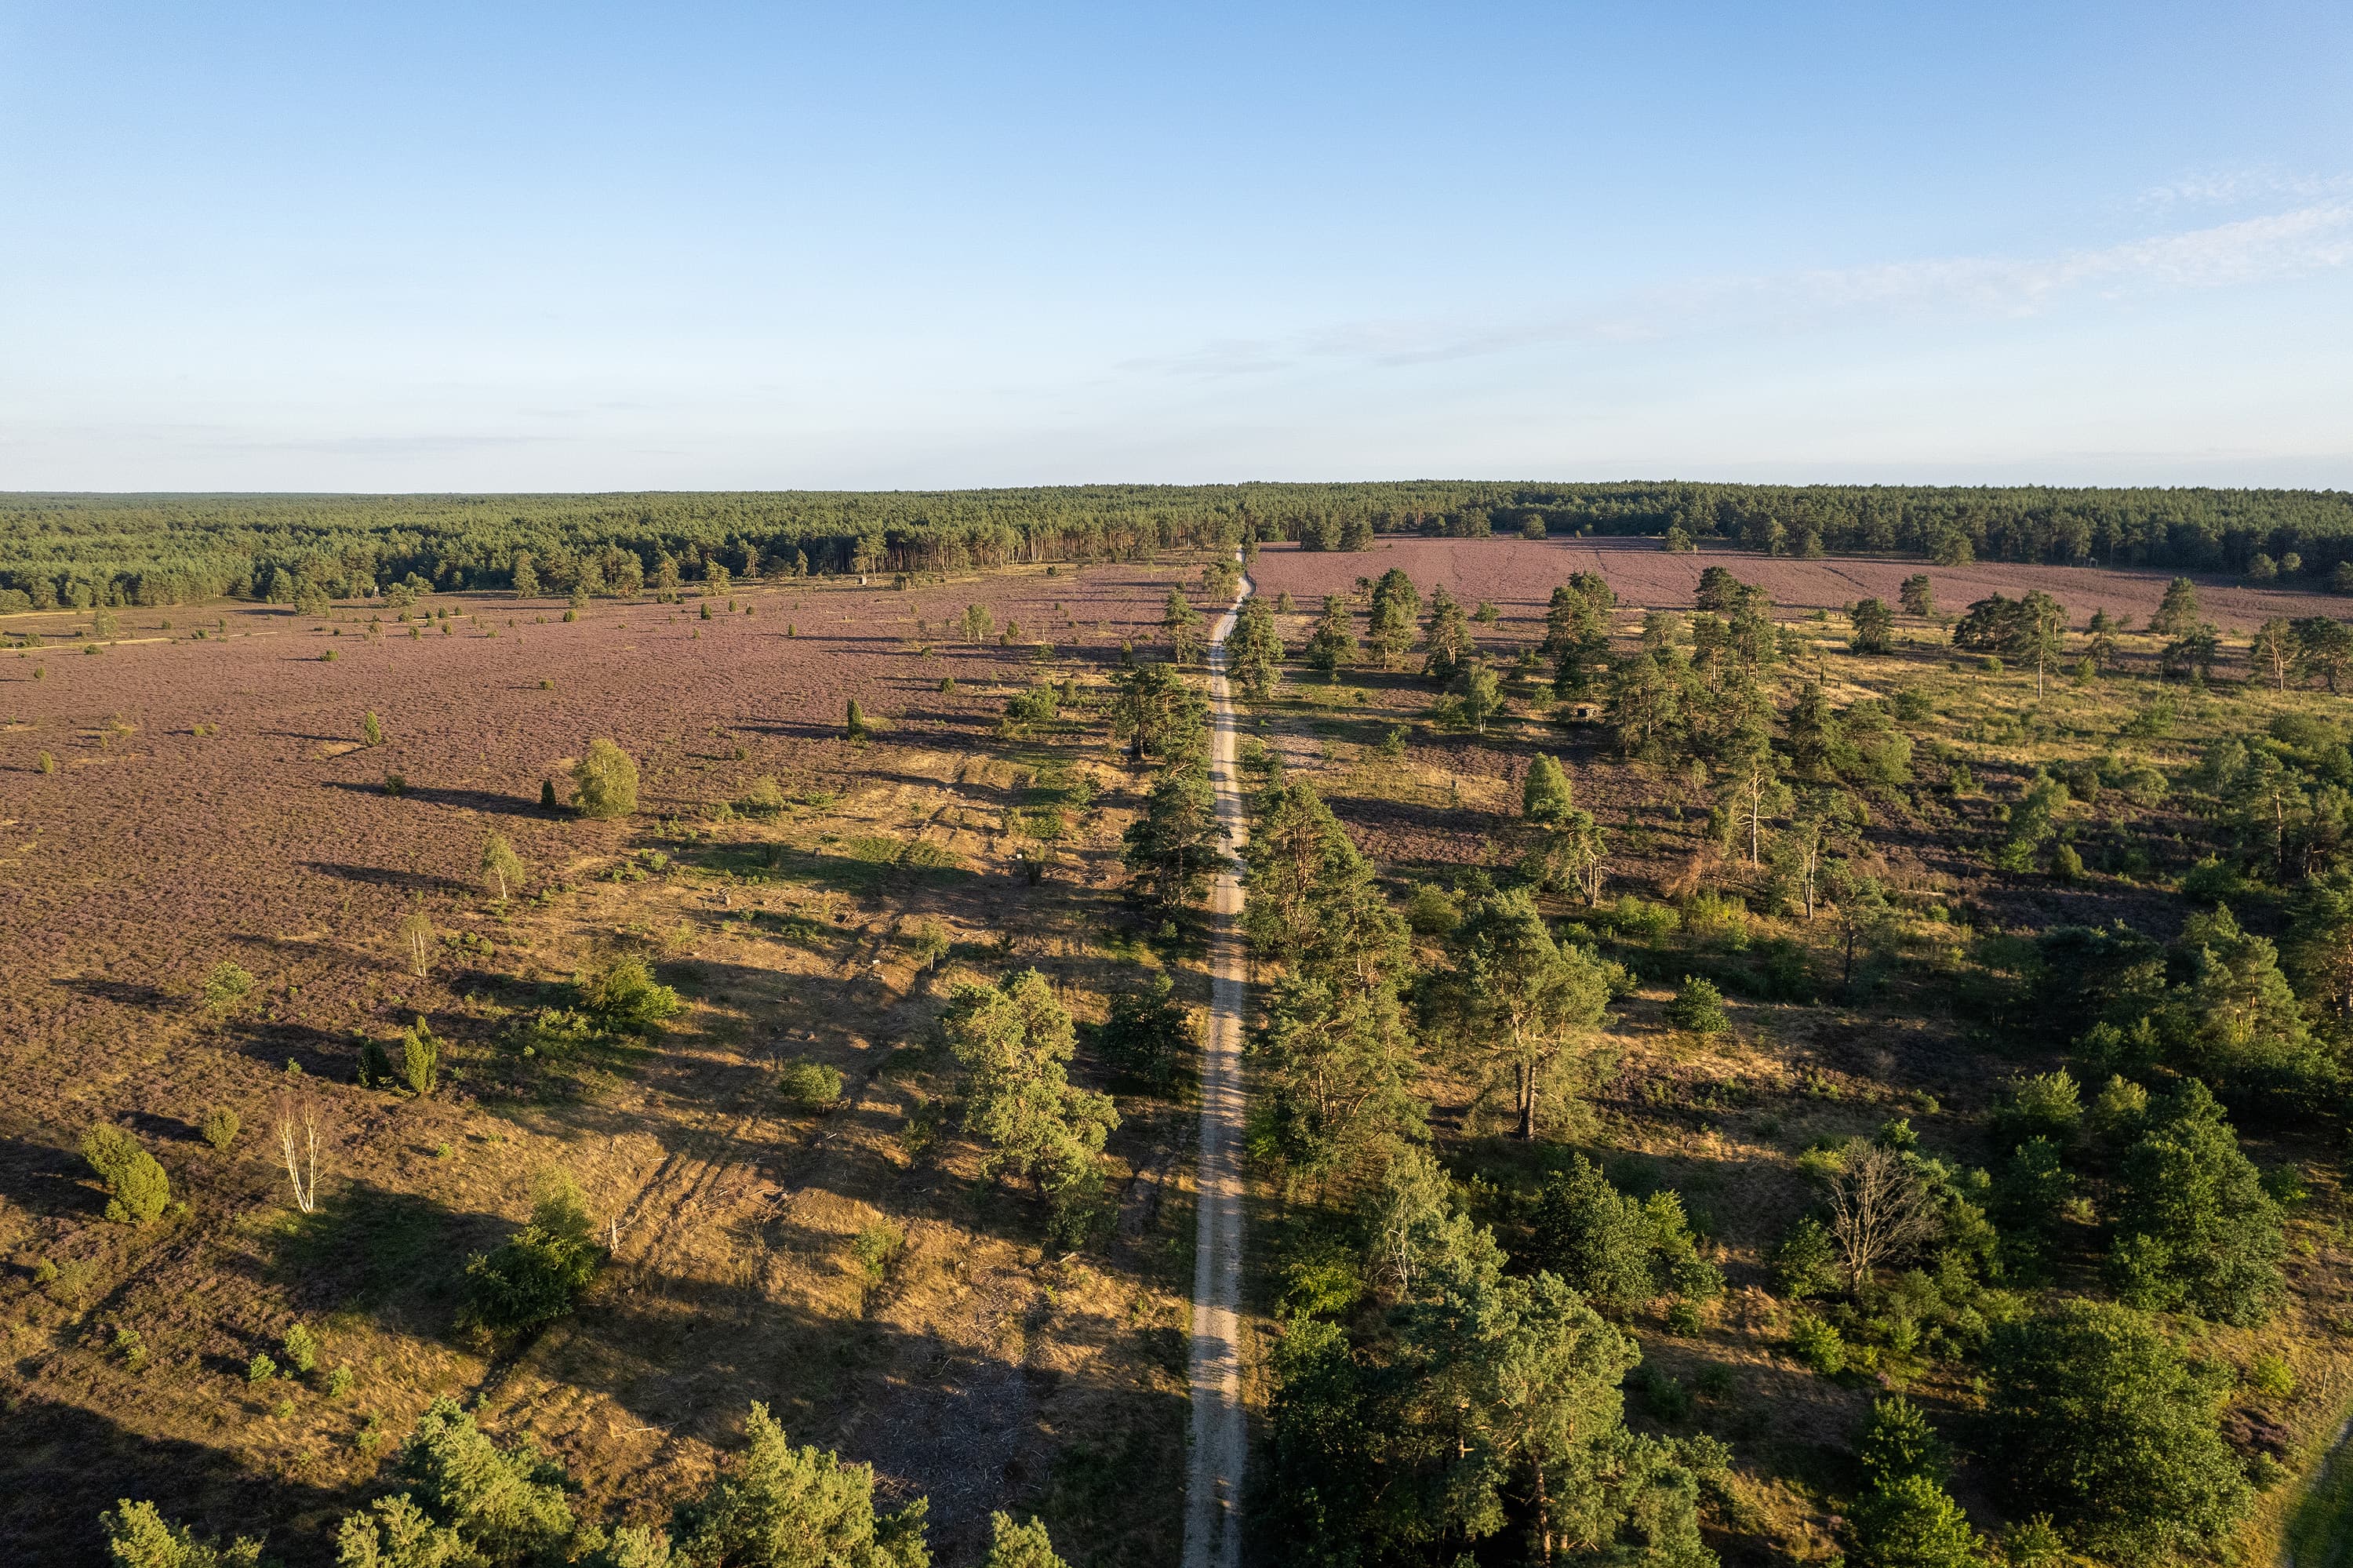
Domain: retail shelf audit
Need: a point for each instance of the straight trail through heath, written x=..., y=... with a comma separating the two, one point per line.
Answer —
x=1221, y=1440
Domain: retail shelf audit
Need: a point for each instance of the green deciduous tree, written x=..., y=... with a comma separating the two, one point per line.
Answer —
x=1546, y=797
x=2097, y=1417
x=2195, y=1230
x=2272, y=655
x=1472, y=699
x=501, y=867
x=605, y=781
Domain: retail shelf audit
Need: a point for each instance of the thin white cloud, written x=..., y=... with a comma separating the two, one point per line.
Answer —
x=2232, y=187
x=2298, y=242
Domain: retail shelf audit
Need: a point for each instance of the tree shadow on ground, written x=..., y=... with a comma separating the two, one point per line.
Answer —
x=485, y=801
x=386, y=876
x=63, y=1466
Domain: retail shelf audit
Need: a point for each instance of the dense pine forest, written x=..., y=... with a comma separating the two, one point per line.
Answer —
x=84, y=550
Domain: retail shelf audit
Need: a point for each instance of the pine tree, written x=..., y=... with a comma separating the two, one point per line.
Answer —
x=1173, y=847
x=2179, y=612
x=776, y=1506
x=1254, y=651
x=1333, y=643
x=1015, y=1041
x=1515, y=1000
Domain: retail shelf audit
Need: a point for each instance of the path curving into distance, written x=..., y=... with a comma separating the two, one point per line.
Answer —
x=1221, y=1438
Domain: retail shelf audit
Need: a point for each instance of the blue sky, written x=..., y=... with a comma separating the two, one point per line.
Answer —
x=552, y=248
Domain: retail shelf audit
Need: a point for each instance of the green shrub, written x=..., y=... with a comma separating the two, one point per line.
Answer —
x=764, y=798
x=537, y=1275
x=301, y=1349
x=220, y=1127
x=338, y=1383
x=225, y=986
x=2271, y=1378
x=1806, y=1263
x=877, y=1246
x=137, y=1536
x=1817, y=1344
x=420, y=1058
x=811, y=1086
x=1698, y=1006
x=605, y=781
x=138, y=1189
x=260, y=1369
x=1432, y=911
x=624, y=996
x=2096, y=1415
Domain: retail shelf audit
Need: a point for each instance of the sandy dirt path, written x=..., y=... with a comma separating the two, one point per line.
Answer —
x=1221, y=1440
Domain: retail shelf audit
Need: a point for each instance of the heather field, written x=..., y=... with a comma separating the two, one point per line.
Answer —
x=175, y=803
x=1517, y=575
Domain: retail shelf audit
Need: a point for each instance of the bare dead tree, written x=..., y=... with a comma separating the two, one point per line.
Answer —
x=297, y=1142
x=1879, y=1209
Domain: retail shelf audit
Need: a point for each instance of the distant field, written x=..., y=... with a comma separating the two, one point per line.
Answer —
x=1517, y=575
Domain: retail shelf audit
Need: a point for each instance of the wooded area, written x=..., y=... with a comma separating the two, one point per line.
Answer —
x=81, y=550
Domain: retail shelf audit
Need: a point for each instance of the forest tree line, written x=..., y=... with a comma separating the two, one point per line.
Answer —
x=80, y=550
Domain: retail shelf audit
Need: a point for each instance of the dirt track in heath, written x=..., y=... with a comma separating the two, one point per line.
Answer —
x=1221, y=1436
